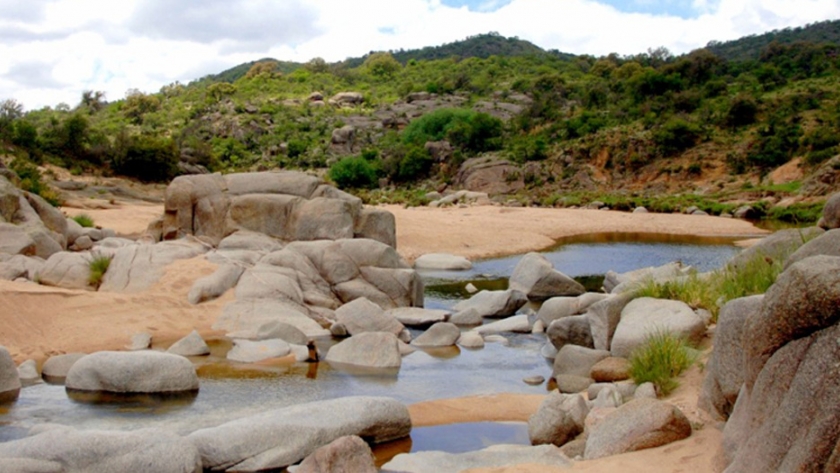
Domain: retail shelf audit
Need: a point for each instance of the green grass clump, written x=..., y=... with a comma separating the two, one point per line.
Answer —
x=84, y=220
x=712, y=292
x=98, y=266
x=662, y=358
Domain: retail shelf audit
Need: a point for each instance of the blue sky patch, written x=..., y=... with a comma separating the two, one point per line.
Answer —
x=680, y=8
x=477, y=5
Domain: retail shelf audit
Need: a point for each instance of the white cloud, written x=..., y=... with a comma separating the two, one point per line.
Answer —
x=52, y=50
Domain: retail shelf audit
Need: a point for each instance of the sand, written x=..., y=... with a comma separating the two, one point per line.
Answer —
x=488, y=231
x=38, y=321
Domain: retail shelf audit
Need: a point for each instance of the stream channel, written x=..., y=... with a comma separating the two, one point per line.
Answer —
x=230, y=391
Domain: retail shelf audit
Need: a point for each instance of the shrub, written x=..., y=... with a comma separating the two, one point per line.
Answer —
x=98, y=267
x=30, y=180
x=416, y=164
x=675, y=136
x=466, y=129
x=662, y=357
x=145, y=157
x=354, y=173
x=85, y=220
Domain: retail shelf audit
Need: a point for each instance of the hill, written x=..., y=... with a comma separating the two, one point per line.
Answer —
x=650, y=129
x=750, y=47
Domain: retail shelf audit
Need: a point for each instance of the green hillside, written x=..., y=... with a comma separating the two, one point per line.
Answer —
x=630, y=129
x=751, y=47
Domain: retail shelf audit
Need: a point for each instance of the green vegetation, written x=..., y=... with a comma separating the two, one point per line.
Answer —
x=354, y=173
x=571, y=122
x=85, y=220
x=662, y=358
x=712, y=291
x=98, y=266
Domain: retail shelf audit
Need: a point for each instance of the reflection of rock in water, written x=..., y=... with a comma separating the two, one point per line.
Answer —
x=170, y=400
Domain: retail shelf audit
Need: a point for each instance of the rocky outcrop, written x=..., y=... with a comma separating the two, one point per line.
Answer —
x=362, y=316
x=417, y=316
x=826, y=244
x=67, y=270
x=725, y=369
x=497, y=456
x=64, y=449
x=19, y=266
x=286, y=205
x=28, y=224
x=646, y=316
x=536, y=277
x=639, y=424
x=517, y=323
x=491, y=175
x=282, y=437
x=132, y=372
x=9, y=379
x=135, y=268
x=212, y=286
x=786, y=417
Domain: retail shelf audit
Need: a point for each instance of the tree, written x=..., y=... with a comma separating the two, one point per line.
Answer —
x=138, y=104
x=382, y=65
x=92, y=101
x=10, y=110
x=266, y=69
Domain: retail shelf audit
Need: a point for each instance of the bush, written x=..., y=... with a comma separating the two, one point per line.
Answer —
x=85, y=220
x=416, y=164
x=145, y=157
x=30, y=180
x=98, y=266
x=675, y=136
x=662, y=357
x=465, y=129
x=354, y=173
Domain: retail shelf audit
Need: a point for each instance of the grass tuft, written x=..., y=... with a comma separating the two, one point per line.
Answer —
x=711, y=292
x=98, y=266
x=660, y=360
x=85, y=220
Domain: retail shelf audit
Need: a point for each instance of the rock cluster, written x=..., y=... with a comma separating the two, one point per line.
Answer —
x=285, y=205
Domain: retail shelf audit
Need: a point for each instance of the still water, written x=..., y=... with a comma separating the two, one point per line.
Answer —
x=229, y=391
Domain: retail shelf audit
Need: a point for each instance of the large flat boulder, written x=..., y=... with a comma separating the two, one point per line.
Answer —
x=646, y=316
x=636, y=425
x=418, y=316
x=57, y=367
x=96, y=451
x=247, y=351
x=212, y=286
x=536, y=277
x=826, y=244
x=16, y=241
x=279, y=438
x=497, y=456
x=19, y=266
x=516, y=323
x=132, y=372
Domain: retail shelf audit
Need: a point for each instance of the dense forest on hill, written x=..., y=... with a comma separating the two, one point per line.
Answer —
x=696, y=122
x=750, y=47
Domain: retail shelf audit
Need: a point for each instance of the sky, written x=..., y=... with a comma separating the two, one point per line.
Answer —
x=53, y=50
